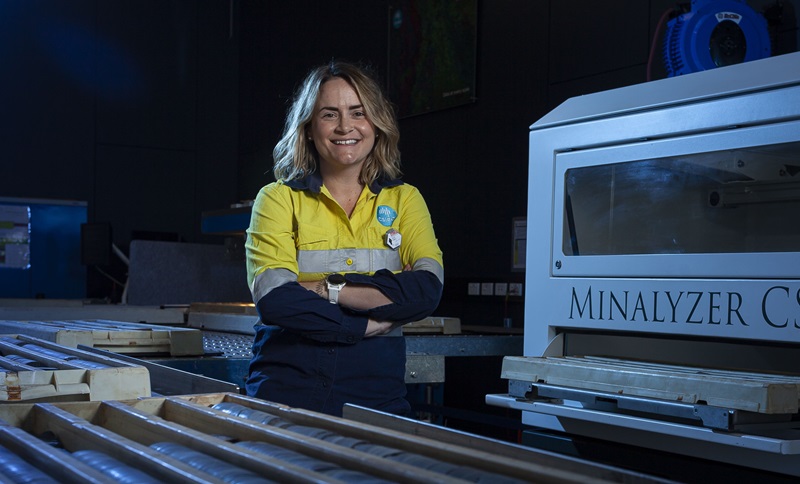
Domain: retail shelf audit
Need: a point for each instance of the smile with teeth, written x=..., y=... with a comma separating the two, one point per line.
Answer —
x=345, y=142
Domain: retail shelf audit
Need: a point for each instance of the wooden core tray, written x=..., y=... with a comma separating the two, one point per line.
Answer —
x=739, y=390
x=33, y=370
x=125, y=431
x=115, y=336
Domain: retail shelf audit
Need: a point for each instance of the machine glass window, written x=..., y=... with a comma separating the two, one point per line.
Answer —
x=742, y=200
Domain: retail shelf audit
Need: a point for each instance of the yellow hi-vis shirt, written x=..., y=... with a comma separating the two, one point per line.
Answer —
x=299, y=234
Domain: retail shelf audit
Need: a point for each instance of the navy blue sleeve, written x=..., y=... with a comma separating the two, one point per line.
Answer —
x=296, y=309
x=414, y=294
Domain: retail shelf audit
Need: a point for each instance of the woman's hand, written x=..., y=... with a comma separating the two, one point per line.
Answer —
x=377, y=328
x=318, y=287
x=353, y=296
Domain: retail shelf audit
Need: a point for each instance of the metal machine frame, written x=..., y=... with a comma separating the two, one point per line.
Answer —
x=721, y=309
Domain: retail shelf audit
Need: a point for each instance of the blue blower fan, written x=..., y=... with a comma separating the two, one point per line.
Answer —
x=715, y=33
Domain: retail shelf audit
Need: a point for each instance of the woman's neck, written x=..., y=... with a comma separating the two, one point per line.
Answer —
x=345, y=190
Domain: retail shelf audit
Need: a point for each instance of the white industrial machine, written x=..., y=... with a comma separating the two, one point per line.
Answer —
x=663, y=267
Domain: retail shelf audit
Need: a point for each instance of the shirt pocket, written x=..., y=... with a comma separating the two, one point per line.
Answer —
x=382, y=256
x=313, y=237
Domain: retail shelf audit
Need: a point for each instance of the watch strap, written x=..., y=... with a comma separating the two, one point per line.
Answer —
x=333, y=293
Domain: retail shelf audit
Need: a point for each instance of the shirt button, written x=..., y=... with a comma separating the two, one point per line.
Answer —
x=325, y=384
x=331, y=350
x=349, y=261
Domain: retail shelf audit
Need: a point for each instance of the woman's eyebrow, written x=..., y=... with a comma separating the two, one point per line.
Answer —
x=334, y=108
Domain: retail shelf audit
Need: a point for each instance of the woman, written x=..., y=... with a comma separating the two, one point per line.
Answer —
x=340, y=253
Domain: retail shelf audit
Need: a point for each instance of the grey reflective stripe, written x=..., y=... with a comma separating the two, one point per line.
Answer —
x=348, y=260
x=269, y=280
x=430, y=265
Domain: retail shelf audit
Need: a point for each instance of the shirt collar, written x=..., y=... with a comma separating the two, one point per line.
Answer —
x=313, y=183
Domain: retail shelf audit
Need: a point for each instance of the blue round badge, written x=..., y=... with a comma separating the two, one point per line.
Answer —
x=386, y=215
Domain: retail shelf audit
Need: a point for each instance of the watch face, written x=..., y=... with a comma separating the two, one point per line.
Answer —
x=336, y=279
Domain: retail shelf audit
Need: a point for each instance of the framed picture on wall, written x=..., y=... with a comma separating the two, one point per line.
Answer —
x=432, y=54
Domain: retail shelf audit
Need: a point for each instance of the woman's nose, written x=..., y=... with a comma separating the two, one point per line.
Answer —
x=345, y=125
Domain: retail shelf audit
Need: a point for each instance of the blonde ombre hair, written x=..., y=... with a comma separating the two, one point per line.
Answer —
x=295, y=156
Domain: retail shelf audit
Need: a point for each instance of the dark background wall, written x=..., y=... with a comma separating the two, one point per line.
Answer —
x=155, y=111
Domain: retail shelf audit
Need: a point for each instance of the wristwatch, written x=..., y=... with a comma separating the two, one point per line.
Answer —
x=335, y=284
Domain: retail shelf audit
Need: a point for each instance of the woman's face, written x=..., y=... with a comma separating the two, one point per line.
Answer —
x=340, y=129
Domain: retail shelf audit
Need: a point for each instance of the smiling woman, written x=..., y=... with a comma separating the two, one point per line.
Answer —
x=339, y=252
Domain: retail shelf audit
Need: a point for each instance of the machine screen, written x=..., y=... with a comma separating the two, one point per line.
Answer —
x=728, y=201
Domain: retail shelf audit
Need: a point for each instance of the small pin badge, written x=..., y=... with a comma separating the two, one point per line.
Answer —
x=392, y=239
